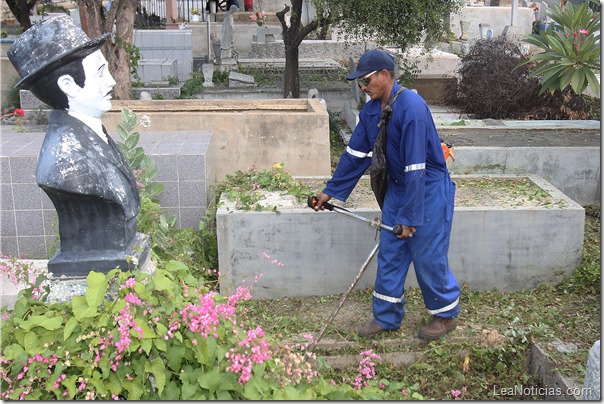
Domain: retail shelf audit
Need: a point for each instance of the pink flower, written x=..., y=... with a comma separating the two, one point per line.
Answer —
x=584, y=31
x=19, y=112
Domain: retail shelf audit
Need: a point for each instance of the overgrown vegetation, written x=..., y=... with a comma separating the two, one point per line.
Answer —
x=246, y=188
x=496, y=83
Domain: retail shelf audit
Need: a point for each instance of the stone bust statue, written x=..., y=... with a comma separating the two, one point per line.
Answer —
x=80, y=168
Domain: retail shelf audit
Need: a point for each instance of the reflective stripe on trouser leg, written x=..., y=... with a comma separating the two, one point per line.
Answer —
x=430, y=247
x=394, y=259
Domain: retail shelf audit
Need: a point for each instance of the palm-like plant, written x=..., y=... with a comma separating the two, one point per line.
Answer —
x=570, y=50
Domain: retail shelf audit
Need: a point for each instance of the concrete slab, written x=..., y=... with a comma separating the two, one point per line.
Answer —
x=491, y=248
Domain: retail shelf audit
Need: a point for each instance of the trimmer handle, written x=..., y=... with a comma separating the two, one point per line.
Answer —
x=313, y=200
x=375, y=223
x=397, y=229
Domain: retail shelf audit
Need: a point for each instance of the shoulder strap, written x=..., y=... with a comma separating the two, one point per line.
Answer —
x=387, y=111
x=395, y=96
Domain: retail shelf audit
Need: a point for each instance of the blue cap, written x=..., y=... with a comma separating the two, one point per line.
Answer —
x=371, y=60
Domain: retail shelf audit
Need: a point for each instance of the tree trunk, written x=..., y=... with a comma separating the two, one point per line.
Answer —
x=292, y=37
x=291, y=80
x=21, y=10
x=122, y=13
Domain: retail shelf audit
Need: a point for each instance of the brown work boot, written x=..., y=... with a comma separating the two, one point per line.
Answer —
x=371, y=330
x=438, y=327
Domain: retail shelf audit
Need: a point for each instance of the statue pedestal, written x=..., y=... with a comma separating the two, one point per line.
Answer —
x=64, y=287
x=78, y=263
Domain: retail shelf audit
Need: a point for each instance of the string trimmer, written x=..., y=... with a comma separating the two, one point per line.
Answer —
x=375, y=223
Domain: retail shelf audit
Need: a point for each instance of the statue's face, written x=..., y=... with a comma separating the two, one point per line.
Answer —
x=94, y=98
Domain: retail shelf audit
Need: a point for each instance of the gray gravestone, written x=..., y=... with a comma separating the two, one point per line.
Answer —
x=241, y=80
x=592, y=374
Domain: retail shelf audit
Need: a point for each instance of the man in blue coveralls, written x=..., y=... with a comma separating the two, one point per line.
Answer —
x=420, y=198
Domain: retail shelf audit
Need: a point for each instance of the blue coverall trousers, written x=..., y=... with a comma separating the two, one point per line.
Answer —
x=427, y=249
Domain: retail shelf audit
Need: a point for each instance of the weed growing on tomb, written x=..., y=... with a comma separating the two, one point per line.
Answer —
x=191, y=86
x=196, y=248
x=245, y=187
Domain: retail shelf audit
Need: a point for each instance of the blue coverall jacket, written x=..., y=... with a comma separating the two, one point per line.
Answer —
x=420, y=194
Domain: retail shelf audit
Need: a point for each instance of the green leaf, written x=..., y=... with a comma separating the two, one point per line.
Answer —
x=71, y=325
x=80, y=308
x=189, y=391
x=12, y=351
x=97, y=288
x=172, y=392
x=147, y=344
x=98, y=383
x=578, y=81
x=161, y=329
x=160, y=344
x=31, y=343
x=132, y=140
x=163, y=283
x=593, y=83
x=158, y=370
x=210, y=380
x=48, y=323
x=175, y=356
x=121, y=131
x=113, y=384
x=135, y=390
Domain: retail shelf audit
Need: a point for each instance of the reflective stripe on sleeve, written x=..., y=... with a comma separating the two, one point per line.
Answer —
x=358, y=154
x=446, y=308
x=415, y=167
x=387, y=298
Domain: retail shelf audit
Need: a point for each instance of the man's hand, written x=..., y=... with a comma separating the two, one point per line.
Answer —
x=407, y=231
x=322, y=198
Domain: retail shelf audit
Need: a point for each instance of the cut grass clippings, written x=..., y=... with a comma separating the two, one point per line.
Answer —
x=486, y=353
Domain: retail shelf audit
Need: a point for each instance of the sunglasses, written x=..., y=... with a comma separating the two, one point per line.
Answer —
x=364, y=81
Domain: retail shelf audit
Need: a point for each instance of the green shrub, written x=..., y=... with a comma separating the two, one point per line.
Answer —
x=570, y=54
x=196, y=248
x=489, y=87
x=164, y=336
x=495, y=82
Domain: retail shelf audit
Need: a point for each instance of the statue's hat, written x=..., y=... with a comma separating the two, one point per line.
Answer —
x=49, y=45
